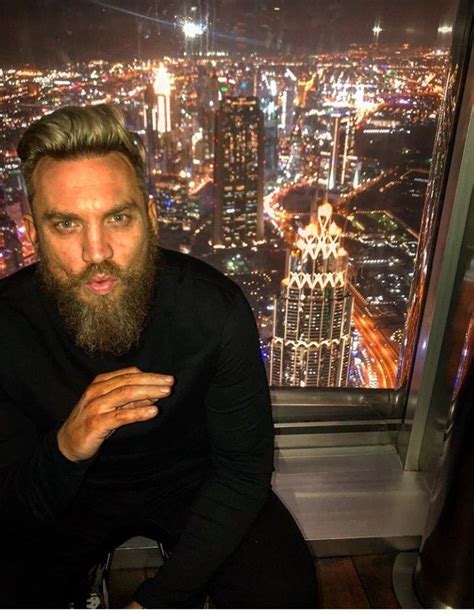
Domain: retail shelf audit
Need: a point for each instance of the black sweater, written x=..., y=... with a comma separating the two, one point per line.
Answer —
x=217, y=419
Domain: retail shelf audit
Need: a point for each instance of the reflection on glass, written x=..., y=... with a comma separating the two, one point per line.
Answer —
x=289, y=149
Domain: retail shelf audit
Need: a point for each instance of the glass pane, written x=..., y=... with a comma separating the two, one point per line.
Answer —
x=288, y=144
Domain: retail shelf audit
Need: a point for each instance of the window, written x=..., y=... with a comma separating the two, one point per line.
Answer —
x=289, y=145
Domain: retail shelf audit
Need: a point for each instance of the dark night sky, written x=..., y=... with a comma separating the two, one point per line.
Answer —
x=52, y=32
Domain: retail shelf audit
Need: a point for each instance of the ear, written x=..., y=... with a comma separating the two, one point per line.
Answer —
x=30, y=229
x=153, y=215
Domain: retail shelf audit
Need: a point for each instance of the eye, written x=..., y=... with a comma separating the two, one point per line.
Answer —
x=120, y=219
x=65, y=226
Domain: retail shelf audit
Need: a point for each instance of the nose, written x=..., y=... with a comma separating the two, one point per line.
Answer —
x=96, y=246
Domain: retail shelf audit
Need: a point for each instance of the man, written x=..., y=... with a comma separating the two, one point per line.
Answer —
x=133, y=397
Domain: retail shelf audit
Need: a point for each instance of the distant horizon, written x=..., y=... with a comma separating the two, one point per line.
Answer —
x=230, y=55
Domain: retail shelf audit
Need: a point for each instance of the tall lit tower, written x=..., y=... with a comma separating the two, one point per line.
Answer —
x=157, y=120
x=342, y=150
x=288, y=102
x=238, y=173
x=271, y=118
x=333, y=165
x=150, y=125
x=162, y=87
x=312, y=316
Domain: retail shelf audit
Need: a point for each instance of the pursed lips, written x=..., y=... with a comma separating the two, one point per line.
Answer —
x=101, y=285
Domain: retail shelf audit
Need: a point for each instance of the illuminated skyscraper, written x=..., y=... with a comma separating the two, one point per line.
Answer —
x=333, y=165
x=238, y=173
x=149, y=124
x=162, y=88
x=11, y=254
x=157, y=120
x=14, y=189
x=288, y=102
x=271, y=114
x=342, y=162
x=312, y=316
x=171, y=199
x=207, y=102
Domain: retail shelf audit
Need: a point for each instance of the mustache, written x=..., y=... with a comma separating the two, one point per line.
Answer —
x=94, y=269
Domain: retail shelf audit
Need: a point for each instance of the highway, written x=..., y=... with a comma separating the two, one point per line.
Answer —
x=379, y=354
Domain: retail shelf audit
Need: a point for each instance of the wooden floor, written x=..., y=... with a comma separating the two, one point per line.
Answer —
x=357, y=582
x=345, y=582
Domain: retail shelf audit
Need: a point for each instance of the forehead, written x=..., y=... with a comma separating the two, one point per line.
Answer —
x=102, y=179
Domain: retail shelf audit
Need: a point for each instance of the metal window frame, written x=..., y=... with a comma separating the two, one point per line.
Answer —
x=458, y=200
x=311, y=417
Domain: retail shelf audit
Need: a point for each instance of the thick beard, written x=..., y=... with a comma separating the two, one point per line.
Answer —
x=104, y=324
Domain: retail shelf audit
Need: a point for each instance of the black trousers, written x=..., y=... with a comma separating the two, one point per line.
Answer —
x=271, y=568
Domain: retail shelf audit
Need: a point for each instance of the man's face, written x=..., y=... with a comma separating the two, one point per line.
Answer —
x=97, y=242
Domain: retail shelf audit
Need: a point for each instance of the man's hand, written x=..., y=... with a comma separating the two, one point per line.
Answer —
x=134, y=606
x=112, y=400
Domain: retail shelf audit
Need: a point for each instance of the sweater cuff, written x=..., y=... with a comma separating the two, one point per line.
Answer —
x=59, y=460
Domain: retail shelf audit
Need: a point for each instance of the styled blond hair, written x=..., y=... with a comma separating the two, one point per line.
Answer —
x=80, y=132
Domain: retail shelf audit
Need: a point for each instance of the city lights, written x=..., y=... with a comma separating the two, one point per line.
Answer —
x=301, y=176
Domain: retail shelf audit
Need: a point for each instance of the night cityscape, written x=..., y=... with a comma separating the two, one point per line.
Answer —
x=299, y=171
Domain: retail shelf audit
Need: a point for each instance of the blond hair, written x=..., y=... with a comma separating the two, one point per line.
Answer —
x=80, y=132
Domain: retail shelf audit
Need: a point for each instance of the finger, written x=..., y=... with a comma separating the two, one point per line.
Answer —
x=137, y=404
x=121, y=417
x=100, y=378
x=129, y=378
x=135, y=377
x=121, y=396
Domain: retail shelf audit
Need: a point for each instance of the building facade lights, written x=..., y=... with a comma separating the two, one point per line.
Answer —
x=312, y=315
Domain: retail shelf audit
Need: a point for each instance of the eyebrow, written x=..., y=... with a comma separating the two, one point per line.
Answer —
x=52, y=214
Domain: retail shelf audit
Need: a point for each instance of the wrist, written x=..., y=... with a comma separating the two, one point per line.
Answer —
x=64, y=449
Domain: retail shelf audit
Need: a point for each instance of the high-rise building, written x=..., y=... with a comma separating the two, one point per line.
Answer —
x=162, y=88
x=238, y=173
x=207, y=103
x=11, y=252
x=288, y=102
x=150, y=127
x=271, y=117
x=338, y=161
x=311, y=340
x=171, y=199
x=334, y=163
x=157, y=121
x=14, y=188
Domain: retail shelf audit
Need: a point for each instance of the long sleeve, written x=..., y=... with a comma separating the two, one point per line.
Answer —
x=37, y=482
x=240, y=432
